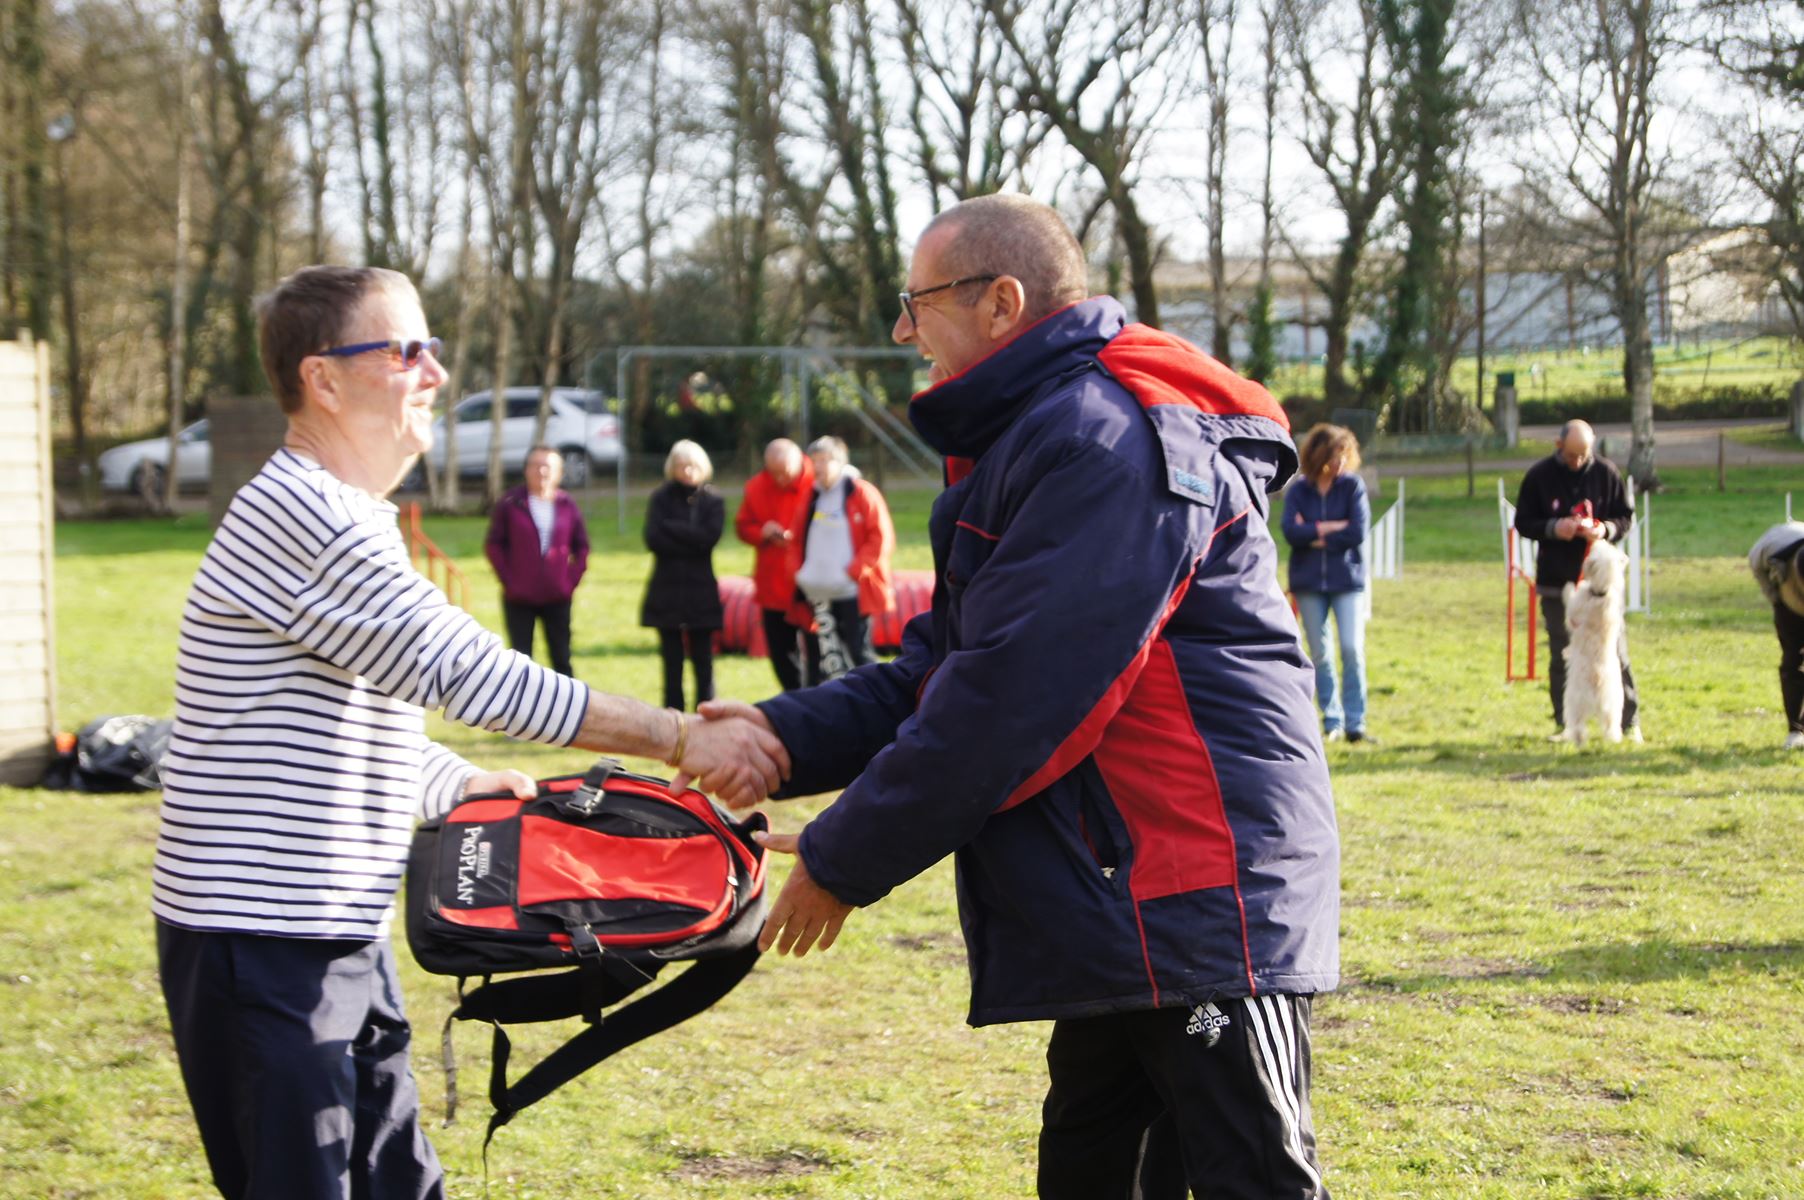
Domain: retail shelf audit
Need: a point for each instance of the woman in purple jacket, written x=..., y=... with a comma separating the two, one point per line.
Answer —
x=1326, y=515
x=539, y=548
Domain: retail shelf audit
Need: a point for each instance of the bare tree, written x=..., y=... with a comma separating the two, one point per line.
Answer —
x=1755, y=40
x=1621, y=199
x=580, y=141
x=1349, y=140
x=315, y=118
x=28, y=224
x=1216, y=22
x=634, y=260
x=1261, y=350
x=969, y=140
x=1103, y=73
x=1770, y=159
x=496, y=60
x=242, y=144
x=1443, y=51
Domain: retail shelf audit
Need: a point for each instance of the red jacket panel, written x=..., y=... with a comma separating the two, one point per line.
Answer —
x=774, y=576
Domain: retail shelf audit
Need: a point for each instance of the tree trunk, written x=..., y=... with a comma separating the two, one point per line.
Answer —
x=28, y=55
x=1638, y=379
x=77, y=379
x=516, y=218
x=179, y=302
x=1136, y=240
x=1337, y=389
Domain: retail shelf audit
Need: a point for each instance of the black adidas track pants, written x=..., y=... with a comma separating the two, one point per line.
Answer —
x=1156, y=1105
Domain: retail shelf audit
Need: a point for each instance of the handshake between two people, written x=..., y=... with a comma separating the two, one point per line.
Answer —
x=733, y=752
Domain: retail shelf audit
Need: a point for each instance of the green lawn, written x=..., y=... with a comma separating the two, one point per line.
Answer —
x=1571, y=975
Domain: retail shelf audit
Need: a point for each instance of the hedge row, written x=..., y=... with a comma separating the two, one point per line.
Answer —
x=1606, y=406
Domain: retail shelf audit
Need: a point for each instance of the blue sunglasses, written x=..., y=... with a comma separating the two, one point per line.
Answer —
x=409, y=351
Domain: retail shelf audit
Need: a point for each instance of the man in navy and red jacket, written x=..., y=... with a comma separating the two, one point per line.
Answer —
x=1106, y=716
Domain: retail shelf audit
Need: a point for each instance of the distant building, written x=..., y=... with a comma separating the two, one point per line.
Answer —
x=1719, y=286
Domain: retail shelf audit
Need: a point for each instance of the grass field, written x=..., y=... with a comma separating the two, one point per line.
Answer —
x=1574, y=975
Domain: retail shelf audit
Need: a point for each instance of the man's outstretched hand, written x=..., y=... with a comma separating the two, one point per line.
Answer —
x=805, y=913
x=733, y=753
x=731, y=719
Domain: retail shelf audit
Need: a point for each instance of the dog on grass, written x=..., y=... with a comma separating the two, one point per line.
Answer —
x=1594, y=624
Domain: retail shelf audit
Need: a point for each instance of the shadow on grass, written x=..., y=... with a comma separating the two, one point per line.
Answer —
x=1535, y=759
x=1648, y=961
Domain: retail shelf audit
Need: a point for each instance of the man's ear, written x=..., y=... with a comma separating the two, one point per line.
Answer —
x=1007, y=305
x=321, y=382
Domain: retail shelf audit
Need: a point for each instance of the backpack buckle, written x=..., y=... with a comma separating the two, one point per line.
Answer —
x=585, y=800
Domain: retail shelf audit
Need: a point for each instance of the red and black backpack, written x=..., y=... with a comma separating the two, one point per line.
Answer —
x=595, y=885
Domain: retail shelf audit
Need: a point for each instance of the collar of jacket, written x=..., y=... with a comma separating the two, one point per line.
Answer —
x=519, y=496
x=963, y=415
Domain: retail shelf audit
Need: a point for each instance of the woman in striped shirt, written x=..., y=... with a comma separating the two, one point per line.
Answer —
x=309, y=650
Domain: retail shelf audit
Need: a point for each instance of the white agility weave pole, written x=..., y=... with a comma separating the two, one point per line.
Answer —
x=1383, y=548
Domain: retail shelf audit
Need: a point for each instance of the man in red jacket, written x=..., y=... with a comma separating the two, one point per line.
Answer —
x=775, y=499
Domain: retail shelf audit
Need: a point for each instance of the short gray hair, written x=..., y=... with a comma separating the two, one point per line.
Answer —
x=1009, y=234
x=828, y=444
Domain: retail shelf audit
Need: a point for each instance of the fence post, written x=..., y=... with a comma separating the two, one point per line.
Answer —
x=1469, y=484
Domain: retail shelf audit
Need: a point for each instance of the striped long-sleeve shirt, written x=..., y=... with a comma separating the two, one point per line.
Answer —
x=299, y=764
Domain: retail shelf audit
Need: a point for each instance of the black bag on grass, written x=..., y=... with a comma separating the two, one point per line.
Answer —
x=595, y=884
x=112, y=754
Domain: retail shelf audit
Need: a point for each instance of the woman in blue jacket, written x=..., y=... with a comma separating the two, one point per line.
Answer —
x=1326, y=515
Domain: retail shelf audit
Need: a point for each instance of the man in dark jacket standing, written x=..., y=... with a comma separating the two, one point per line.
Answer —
x=539, y=548
x=1106, y=715
x=1568, y=500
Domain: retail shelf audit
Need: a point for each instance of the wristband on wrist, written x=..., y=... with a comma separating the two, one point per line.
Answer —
x=682, y=739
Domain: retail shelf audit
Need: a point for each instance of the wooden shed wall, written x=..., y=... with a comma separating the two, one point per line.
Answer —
x=27, y=645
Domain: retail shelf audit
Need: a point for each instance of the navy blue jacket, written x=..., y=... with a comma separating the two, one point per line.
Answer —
x=1340, y=565
x=1106, y=713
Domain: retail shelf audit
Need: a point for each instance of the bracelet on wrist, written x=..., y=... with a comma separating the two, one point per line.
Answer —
x=682, y=739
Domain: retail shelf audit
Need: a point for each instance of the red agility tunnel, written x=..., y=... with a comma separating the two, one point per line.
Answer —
x=742, y=622
x=914, y=596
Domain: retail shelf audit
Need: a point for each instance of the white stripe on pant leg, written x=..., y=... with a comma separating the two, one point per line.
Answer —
x=1269, y=1059
x=1277, y=1053
x=1284, y=1009
x=1146, y=1137
x=1287, y=1039
x=1281, y=1073
x=1286, y=1006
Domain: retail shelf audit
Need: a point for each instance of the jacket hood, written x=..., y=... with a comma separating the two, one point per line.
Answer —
x=1186, y=393
x=1191, y=396
x=961, y=416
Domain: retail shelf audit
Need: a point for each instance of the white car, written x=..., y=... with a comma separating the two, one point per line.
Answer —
x=581, y=426
x=139, y=466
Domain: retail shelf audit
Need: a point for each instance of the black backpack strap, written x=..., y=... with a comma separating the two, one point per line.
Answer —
x=694, y=991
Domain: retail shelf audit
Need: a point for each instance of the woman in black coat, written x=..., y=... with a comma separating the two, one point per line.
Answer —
x=682, y=602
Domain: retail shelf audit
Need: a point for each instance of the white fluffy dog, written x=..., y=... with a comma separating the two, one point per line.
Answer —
x=1594, y=623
